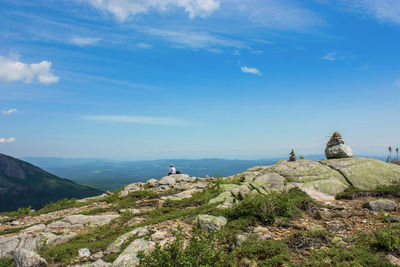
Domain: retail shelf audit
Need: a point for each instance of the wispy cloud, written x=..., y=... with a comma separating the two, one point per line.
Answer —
x=9, y=112
x=263, y=41
x=12, y=70
x=143, y=45
x=126, y=9
x=382, y=10
x=193, y=39
x=84, y=41
x=334, y=55
x=7, y=140
x=250, y=70
x=330, y=56
x=276, y=14
x=104, y=79
x=138, y=120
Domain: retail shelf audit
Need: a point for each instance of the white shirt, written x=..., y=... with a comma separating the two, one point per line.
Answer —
x=172, y=170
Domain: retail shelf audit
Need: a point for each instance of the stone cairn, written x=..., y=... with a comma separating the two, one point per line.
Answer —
x=336, y=139
x=336, y=149
x=292, y=156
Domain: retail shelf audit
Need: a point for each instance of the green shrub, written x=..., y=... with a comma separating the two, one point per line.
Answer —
x=266, y=208
x=96, y=240
x=381, y=190
x=94, y=211
x=49, y=207
x=343, y=257
x=111, y=198
x=201, y=251
x=12, y=230
x=233, y=227
x=197, y=199
x=387, y=239
x=350, y=193
x=60, y=205
x=140, y=194
x=264, y=253
x=389, y=190
x=6, y=262
x=21, y=212
x=306, y=240
x=126, y=216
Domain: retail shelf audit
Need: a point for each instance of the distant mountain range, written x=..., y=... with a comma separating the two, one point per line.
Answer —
x=23, y=184
x=111, y=174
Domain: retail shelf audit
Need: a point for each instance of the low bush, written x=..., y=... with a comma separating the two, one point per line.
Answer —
x=381, y=190
x=344, y=257
x=387, y=239
x=234, y=227
x=389, y=190
x=143, y=194
x=200, y=251
x=260, y=253
x=97, y=240
x=60, y=205
x=197, y=199
x=12, y=230
x=21, y=212
x=6, y=262
x=94, y=211
x=267, y=208
x=352, y=193
x=307, y=240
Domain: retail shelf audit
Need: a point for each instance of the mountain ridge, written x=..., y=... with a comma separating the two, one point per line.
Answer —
x=28, y=185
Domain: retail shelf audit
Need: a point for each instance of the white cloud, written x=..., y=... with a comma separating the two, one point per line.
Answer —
x=193, y=39
x=7, y=140
x=330, y=56
x=12, y=70
x=143, y=45
x=83, y=41
x=275, y=14
x=138, y=120
x=382, y=10
x=126, y=9
x=334, y=55
x=9, y=112
x=250, y=70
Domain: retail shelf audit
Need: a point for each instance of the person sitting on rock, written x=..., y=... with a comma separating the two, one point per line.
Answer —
x=172, y=170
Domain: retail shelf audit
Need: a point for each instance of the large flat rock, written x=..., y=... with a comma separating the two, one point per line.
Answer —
x=128, y=258
x=90, y=219
x=303, y=171
x=365, y=173
x=311, y=174
x=9, y=245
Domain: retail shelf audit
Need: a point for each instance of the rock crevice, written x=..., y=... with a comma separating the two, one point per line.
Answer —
x=340, y=172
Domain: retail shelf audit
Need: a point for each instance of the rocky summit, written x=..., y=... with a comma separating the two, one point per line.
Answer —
x=305, y=213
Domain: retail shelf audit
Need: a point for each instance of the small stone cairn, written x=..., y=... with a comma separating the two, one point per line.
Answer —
x=292, y=156
x=336, y=149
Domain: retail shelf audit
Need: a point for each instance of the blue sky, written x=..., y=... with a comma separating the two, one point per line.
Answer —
x=132, y=79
